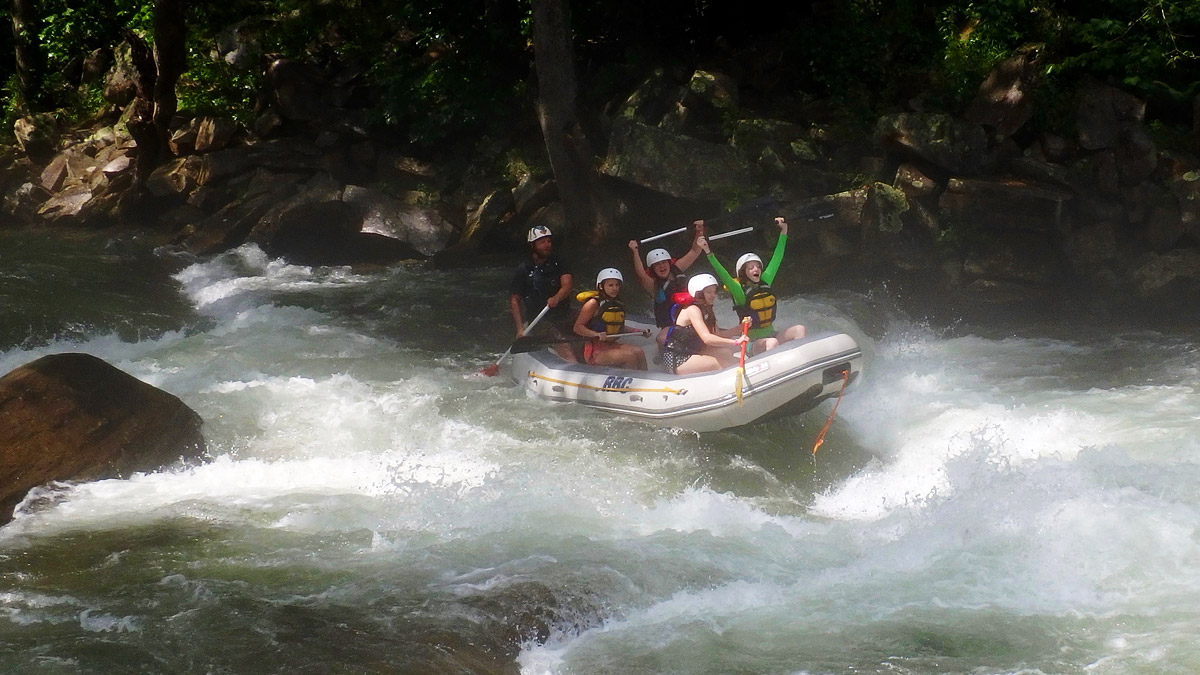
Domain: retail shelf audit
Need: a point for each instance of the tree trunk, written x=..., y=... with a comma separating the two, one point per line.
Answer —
x=566, y=144
x=158, y=71
x=28, y=56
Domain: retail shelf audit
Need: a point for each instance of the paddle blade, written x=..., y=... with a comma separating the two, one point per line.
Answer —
x=737, y=387
x=491, y=371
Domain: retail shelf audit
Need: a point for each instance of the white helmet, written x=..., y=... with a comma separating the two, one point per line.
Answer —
x=656, y=256
x=749, y=257
x=609, y=273
x=699, y=283
x=537, y=232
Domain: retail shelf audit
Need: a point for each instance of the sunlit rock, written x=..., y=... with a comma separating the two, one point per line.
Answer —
x=1005, y=99
x=75, y=417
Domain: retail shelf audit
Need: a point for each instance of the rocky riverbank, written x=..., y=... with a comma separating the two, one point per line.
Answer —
x=973, y=205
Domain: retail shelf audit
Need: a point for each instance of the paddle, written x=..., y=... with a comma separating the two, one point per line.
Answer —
x=753, y=205
x=741, y=369
x=664, y=235
x=730, y=233
x=493, y=369
x=529, y=344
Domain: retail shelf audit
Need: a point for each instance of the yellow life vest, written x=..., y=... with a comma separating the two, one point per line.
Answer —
x=610, y=315
x=760, y=306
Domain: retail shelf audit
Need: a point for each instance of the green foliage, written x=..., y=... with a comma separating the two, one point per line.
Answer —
x=210, y=86
x=441, y=69
x=1149, y=46
x=445, y=72
x=71, y=28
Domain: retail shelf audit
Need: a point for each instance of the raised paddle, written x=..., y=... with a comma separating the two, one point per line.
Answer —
x=494, y=369
x=664, y=235
x=741, y=369
x=753, y=205
x=730, y=233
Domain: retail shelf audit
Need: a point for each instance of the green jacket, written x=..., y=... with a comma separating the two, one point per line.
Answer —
x=735, y=287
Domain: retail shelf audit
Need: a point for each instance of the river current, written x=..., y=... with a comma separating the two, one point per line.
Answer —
x=999, y=499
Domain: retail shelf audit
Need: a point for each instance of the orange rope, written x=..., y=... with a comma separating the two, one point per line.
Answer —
x=821, y=436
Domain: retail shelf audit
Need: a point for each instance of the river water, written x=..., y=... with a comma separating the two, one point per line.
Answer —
x=990, y=499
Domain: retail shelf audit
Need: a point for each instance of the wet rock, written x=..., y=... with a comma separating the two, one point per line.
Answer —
x=326, y=233
x=708, y=99
x=300, y=91
x=1103, y=112
x=66, y=203
x=55, y=172
x=1004, y=204
x=75, y=417
x=952, y=144
x=884, y=206
x=120, y=84
x=176, y=177
x=653, y=100
x=419, y=225
x=214, y=133
x=233, y=222
x=677, y=165
x=914, y=183
x=183, y=139
x=1092, y=248
x=1175, y=273
x=36, y=135
x=95, y=65
x=1005, y=99
x=772, y=143
x=1023, y=257
x=482, y=222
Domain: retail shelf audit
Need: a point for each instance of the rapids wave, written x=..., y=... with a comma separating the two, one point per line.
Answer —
x=984, y=502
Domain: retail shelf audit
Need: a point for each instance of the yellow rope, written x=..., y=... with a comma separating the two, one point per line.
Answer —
x=621, y=389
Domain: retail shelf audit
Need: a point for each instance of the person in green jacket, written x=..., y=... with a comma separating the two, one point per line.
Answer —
x=752, y=294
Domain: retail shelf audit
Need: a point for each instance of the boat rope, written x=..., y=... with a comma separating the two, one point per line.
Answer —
x=821, y=435
x=664, y=390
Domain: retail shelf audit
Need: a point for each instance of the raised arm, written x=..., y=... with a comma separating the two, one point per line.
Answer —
x=639, y=268
x=768, y=274
x=694, y=252
x=727, y=280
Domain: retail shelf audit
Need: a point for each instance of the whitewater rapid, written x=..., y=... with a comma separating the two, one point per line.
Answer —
x=986, y=501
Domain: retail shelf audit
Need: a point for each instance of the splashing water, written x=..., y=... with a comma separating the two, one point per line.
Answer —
x=982, y=504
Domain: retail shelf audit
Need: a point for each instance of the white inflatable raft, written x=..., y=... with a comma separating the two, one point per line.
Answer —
x=789, y=379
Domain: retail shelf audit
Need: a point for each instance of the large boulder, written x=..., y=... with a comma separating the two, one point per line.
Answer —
x=952, y=144
x=677, y=165
x=75, y=417
x=1004, y=102
x=309, y=230
x=300, y=91
x=653, y=101
x=36, y=135
x=1173, y=275
x=410, y=221
x=1004, y=204
x=1112, y=120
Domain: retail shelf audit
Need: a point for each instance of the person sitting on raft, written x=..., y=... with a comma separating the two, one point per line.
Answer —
x=752, y=294
x=602, y=317
x=663, y=277
x=695, y=344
